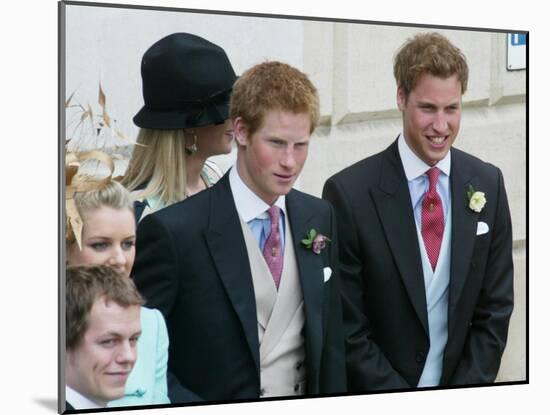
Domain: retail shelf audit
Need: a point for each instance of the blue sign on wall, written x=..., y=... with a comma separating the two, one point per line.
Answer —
x=518, y=39
x=516, y=56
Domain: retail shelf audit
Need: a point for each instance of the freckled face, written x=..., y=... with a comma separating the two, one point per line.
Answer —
x=100, y=364
x=270, y=160
x=108, y=238
x=431, y=116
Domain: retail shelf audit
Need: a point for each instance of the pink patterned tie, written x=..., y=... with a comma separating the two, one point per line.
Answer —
x=432, y=218
x=273, y=254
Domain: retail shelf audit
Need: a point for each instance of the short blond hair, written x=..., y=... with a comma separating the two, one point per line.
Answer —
x=273, y=86
x=428, y=53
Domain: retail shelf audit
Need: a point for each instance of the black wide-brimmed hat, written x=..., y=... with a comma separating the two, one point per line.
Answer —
x=187, y=82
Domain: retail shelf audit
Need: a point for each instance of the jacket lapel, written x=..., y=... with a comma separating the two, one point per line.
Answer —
x=310, y=268
x=393, y=203
x=227, y=246
x=464, y=231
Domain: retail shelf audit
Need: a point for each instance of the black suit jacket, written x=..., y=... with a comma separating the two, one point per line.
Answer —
x=68, y=407
x=192, y=265
x=385, y=312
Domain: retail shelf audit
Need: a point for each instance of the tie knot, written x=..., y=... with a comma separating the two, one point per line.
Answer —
x=274, y=212
x=433, y=175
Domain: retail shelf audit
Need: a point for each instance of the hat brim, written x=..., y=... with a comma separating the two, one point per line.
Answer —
x=175, y=120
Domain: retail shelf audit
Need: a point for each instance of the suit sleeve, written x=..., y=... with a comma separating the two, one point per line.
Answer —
x=155, y=270
x=488, y=332
x=167, y=388
x=333, y=375
x=367, y=367
x=156, y=273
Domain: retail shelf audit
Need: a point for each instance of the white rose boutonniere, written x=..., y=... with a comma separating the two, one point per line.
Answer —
x=477, y=199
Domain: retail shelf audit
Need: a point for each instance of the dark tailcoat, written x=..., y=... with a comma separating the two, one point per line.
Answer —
x=192, y=265
x=385, y=314
x=68, y=407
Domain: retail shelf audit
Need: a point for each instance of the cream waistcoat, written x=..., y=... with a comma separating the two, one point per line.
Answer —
x=280, y=320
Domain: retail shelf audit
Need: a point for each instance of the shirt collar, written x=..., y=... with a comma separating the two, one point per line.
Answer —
x=414, y=166
x=249, y=205
x=79, y=401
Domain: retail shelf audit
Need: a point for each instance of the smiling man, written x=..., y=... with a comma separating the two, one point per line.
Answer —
x=102, y=330
x=252, y=311
x=426, y=264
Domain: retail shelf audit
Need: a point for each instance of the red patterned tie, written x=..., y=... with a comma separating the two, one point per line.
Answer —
x=273, y=254
x=432, y=218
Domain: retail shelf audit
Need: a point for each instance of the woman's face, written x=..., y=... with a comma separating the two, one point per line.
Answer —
x=108, y=238
x=213, y=140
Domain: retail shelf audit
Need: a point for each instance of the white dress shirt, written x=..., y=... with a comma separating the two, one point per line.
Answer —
x=415, y=170
x=253, y=210
x=436, y=282
x=79, y=401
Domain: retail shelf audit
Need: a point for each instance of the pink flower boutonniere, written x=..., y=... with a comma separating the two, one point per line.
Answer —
x=315, y=241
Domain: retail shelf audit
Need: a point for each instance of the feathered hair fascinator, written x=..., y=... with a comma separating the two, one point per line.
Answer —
x=76, y=181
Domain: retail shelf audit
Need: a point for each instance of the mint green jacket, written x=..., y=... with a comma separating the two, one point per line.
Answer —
x=147, y=384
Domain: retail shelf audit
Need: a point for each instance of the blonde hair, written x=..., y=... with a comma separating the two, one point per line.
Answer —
x=430, y=53
x=113, y=195
x=158, y=163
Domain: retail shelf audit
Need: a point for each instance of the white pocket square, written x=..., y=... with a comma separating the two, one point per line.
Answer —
x=482, y=228
x=327, y=272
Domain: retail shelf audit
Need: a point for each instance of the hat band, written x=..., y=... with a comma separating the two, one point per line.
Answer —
x=193, y=105
x=206, y=105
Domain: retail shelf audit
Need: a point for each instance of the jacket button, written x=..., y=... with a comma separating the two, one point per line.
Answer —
x=420, y=357
x=296, y=388
x=298, y=365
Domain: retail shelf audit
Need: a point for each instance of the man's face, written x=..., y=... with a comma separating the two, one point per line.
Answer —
x=431, y=116
x=270, y=160
x=100, y=364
